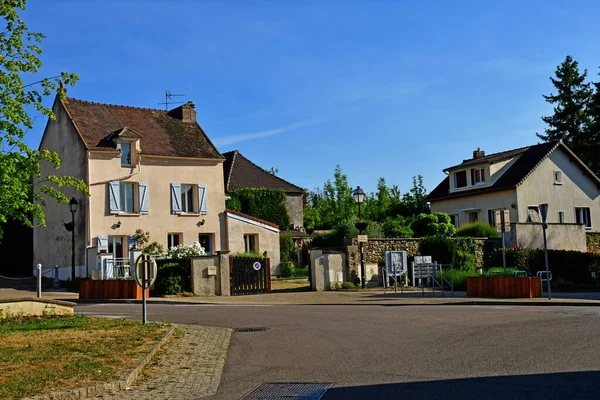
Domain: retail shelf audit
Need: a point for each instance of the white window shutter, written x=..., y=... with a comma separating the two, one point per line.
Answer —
x=202, y=199
x=102, y=243
x=175, y=198
x=114, y=197
x=143, y=189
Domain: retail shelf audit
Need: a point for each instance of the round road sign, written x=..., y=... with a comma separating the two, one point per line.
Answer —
x=256, y=266
x=144, y=261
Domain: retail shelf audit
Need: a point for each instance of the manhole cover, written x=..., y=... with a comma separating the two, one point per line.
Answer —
x=288, y=391
x=254, y=329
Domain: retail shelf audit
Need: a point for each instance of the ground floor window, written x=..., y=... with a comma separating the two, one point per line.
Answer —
x=473, y=216
x=454, y=220
x=561, y=217
x=116, y=247
x=205, y=240
x=583, y=216
x=533, y=214
x=174, y=240
x=251, y=243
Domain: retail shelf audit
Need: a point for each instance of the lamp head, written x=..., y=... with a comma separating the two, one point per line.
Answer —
x=359, y=195
x=73, y=205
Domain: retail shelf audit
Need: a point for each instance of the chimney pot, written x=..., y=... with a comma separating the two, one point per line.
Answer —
x=478, y=153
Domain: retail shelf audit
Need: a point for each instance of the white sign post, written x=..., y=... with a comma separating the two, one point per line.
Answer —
x=145, y=274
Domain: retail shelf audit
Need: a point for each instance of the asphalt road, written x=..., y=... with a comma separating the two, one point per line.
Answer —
x=433, y=352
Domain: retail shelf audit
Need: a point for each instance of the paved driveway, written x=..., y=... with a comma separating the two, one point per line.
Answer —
x=438, y=351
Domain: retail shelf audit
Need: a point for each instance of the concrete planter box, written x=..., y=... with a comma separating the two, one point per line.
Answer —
x=110, y=289
x=503, y=287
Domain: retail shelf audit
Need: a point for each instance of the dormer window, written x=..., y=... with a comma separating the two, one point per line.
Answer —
x=478, y=176
x=126, y=155
x=460, y=179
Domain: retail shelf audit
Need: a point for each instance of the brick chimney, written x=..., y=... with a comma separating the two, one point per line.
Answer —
x=185, y=112
x=478, y=153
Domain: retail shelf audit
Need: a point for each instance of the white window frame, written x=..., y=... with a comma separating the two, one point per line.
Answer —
x=455, y=180
x=171, y=236
x=184, y=201
x=247, y=236
x=561, y=217
x=131, y=146
x=481, y=171
x=537, y=209
x=578, y=210
x=558, y=174
x=123, y=197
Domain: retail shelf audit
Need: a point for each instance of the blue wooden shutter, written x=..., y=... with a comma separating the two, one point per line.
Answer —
x=143, y=188
x=114, y=197
x=175, y=199
x=202, y=199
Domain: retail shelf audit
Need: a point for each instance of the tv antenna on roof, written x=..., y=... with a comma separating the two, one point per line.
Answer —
x=168, y=101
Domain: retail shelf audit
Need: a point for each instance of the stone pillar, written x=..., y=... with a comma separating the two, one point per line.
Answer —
x=224, y=287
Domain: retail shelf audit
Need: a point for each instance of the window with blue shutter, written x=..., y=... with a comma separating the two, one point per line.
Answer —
x=143, y=194
x=114, y=202
x=175, y=198
x=202, y=199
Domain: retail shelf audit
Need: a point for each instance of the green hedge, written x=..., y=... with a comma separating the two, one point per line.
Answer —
x=265, y=204
x=573, y=266
x=478, y=229
x=440, y=248
x=174, y=276
x=287, y=250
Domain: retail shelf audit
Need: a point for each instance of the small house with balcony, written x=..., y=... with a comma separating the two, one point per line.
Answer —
x=514, y=183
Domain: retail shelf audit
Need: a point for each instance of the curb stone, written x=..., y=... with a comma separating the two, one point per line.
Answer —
x=109, y=387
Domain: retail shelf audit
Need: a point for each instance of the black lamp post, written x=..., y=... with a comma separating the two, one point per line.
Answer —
x=359, y=198
x=73, y=208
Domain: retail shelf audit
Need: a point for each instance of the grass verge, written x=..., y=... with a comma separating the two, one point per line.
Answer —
x=39, y=355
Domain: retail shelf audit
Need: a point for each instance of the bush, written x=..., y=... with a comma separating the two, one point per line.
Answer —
x=251, y=255
x=573, y=266
x=186, y=251
x=267, y=204
x=436, y=224
x=286, y=269
x=465, y=244
x=287, y=249
x=458, y=278
x=496, y=270
x=396, y=228
x=465, y=261
x=345, y=286
x=440, y=248
x=173, y=277
x=478, y=229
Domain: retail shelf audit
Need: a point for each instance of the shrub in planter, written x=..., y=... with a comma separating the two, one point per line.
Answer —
x=172, y=277
x=440, y=248
x=478, y=229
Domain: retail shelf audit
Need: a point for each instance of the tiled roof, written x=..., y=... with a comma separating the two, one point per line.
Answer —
x=242, y=173
x=161, y=134
x=250, y=217
x=490, y=158
x=530, y=158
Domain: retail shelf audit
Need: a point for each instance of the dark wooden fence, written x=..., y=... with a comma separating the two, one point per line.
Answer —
x=245, y=279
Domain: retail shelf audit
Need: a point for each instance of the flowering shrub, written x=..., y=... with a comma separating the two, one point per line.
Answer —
x=184, y=251
x=141, y=238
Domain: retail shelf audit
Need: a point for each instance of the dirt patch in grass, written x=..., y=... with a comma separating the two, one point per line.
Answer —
x=41, y=355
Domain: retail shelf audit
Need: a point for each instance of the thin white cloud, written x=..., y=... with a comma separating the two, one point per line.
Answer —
x=225, y=141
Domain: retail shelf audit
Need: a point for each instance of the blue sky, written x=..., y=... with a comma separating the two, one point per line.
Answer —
x=385, y=89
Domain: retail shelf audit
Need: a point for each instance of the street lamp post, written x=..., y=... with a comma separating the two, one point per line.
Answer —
x=544, y=211
x=73, y=208
x=359, y=198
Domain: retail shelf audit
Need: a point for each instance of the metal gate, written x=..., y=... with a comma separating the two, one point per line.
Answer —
x=249, y=276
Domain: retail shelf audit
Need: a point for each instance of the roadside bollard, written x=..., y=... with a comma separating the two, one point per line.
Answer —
x=39, y=281
x=56, y=282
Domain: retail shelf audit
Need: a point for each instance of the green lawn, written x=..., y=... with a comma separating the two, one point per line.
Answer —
x=45, y=354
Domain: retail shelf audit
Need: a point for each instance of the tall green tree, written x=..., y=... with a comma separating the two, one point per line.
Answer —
x=571, y=100
x=19, y=164
x=592, y=137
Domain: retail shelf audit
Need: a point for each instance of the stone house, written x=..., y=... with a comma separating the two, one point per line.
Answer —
x=241, y=173
x=515, y=183
x=150, y=169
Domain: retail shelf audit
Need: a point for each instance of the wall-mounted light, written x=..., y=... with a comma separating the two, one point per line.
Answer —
x=119, y=224
x=200, y=223
x=513, y=205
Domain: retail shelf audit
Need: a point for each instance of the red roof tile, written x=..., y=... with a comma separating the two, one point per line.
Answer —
x=161, y=134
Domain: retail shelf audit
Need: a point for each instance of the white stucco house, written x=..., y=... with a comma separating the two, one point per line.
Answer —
x=516, y=182
x=151, y=169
